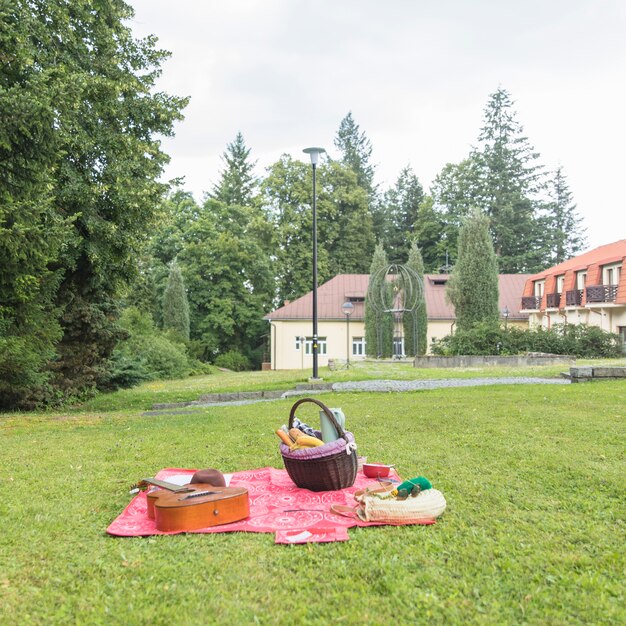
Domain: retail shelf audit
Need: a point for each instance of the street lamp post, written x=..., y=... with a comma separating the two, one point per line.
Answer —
x=347, y=307
x=314, y=153
x=505, y=315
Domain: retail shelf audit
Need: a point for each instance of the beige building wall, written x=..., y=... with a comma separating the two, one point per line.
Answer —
x=607, y=317
x=288, y=352
x=438, y=329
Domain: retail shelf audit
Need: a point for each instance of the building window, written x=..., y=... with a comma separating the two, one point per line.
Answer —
x=559, y=283
x=581, y=279
x=322, y=346
x=398, y=347
x=299, y=341
x=358, y=346
x=539, y=285
x=611, y=275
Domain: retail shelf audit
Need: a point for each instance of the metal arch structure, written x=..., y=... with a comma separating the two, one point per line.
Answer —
x=396, y=290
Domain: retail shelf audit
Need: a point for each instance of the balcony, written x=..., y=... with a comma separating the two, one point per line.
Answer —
x=553, y=300
x=601, y=293
x=532, y=303
x=574, y=297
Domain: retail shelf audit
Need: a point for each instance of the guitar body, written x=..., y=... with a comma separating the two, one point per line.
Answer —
x=200, y=506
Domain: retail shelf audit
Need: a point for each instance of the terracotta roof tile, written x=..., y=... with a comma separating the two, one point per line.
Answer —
x=609, y=253
x=332, y=294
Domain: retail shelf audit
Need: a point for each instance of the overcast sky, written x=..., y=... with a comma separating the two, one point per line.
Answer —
x=416, y=76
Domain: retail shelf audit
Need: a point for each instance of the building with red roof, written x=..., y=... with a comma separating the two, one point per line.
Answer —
x=587, y=289
x=342, y=338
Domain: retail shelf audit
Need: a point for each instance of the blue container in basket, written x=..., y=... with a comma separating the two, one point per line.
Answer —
x=329, y=432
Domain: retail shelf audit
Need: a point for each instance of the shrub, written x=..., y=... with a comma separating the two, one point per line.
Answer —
x=147, y=354
x=572, y=339
x=233, y=360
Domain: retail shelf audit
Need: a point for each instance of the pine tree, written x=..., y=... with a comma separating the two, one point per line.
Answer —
x=506, y=184
x=237, y=184
x=415, y=321
x=378, y=323
x=356, y=151
x=565, y=233
x=175, y=304
x=473, y=285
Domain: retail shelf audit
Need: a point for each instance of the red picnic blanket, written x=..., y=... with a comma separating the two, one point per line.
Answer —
x=276, y=506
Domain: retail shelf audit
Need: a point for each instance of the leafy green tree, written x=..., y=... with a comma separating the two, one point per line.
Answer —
x=454, y=193
x=349, y=237
x=237, y=184
x=83, y=149
x=287, y=191
x=378, y=323
x=345, y=234
x=175, y=304
x=563, y=225
x=415, y=321
x=32, y=234
x=356, y=152
x=173, y=217
x=108, y=166
x=473, y=286
x=401, y=206
x=430, y=235
x=228, y=277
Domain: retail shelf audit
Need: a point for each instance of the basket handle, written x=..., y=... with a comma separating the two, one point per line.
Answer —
x=326, y=410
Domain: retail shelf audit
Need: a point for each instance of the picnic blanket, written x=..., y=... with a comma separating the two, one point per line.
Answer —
x=277, y=506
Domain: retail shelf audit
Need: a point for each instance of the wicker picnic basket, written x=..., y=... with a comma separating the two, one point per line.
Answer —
x=325, y=468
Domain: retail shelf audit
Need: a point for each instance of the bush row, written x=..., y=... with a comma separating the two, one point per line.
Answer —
x=571, y=339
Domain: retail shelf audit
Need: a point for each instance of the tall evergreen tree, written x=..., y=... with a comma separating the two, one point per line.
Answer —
x=509, y=181
x=563, y=225
x=415, y=321
x=237, y=184
x=378, y=323
x=473, y=286
x=175, y=304
x=503, y=178
x=356, y=152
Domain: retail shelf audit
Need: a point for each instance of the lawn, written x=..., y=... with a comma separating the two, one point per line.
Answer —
x=143, y=396
x=533, y=533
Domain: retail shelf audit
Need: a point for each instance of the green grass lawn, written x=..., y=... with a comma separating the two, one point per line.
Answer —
x=144, y=396
x=533, y=533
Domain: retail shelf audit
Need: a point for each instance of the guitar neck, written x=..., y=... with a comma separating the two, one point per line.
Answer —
x=165, y=485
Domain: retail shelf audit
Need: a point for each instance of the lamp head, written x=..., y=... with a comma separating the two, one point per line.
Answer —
x=314, y=153
x=347, y=307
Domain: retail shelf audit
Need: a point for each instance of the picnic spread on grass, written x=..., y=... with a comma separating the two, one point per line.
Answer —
x=323, y=490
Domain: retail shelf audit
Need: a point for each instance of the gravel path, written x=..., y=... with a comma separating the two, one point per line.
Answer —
x=370, y=385
x=415, y=385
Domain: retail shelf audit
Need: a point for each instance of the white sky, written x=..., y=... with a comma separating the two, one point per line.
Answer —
x=416, y=76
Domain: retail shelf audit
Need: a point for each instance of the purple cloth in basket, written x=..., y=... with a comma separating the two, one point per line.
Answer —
x=332, y=447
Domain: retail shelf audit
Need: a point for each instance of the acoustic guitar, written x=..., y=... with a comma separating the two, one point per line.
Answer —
x=199, y=507
x=151, y=496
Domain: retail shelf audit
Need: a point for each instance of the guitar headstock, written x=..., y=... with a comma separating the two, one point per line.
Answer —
x=142, y=485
